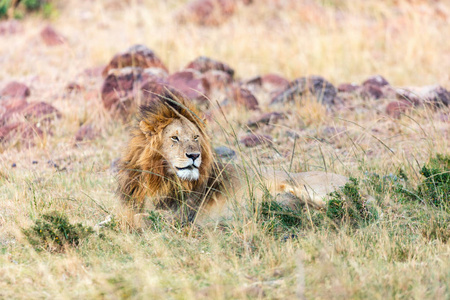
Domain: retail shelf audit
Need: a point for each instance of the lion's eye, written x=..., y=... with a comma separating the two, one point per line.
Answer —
x=196, y=137
x=174, y=138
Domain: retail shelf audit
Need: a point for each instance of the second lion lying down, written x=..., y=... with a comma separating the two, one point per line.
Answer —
x=169, y=162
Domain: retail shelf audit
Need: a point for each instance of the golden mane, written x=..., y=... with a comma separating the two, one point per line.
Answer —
x=143, y=169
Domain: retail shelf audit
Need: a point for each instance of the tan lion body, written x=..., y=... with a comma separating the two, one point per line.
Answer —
x=169, y=161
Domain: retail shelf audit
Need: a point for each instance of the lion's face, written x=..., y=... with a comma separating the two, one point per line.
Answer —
x=181, y=148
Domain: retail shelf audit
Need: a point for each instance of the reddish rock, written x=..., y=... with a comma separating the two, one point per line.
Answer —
x=15, y=89
x=376, y=80
x=40, y=112
x=372, y=91
x=24, y=132
x=190, y=83
x=152, y=89
x=323, y=90
x=204, y=64
x=10, y=27
x=74, y=87
x=86, y=132
x=348, y=87
x=273, y=82
x=136, y=56
x=396, y=108
x=434, y=95
x=253, y=140
x=13, y=104
x=51, y=37
x=218, y=80
x=244, y=97
x=151, y=73
x=118, y=90
x=207, y=12
x=266, y=119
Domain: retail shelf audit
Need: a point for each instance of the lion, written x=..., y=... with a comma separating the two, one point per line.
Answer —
x=169, y=161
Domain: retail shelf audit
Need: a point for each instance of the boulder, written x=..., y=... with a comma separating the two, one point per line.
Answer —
x=15, y=89
x=136, y=56
x=376, y=80
x=85, y=133
x=244, y=97
x=348, y=88
x=204, y=64
x=191, y=83
x=317, y=86
x=435, y=95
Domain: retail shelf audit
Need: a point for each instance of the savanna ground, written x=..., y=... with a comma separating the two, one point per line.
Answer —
x=402, y=252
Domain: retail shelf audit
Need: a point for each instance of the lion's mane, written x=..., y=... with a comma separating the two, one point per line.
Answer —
x=143, y=169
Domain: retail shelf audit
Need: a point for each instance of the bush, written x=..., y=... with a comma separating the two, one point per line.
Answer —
x=435, y=188
x=348, y=206
x=21, y=7
x=53, y=232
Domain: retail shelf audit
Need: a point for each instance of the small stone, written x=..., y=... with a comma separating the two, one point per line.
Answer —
x=348, y=87
x=13, y=165
x=266, y=119
x=20, y=131
x=73, y=87
x=15, y=89
x=51, y=37
x=34, y=162
x=376, y=80
x=204, y=64
x=396, y=108
x=40, y=111
x=225, y=152
x=253, y=140
x=85, y=133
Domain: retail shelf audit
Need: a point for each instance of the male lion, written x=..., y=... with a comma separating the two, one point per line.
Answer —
x=169, y=160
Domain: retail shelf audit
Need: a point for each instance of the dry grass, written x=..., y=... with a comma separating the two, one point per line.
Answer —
x=344, y=41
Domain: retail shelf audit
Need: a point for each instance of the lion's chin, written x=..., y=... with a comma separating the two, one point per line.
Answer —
x=188, y=174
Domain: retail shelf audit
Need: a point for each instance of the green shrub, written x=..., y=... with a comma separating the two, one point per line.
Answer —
x=348, y=206
x=24, y=6
x=53, y=232
x=435, y=188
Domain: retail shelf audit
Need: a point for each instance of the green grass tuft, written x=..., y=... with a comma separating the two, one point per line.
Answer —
x=53, y=232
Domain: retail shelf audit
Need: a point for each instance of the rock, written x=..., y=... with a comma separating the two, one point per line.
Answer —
x=10, y=27
x=40, y=112
x=244, y=97
x=15, y=89
x=372, y=91
x=273, y=82
x=218, y=80
x=323, y=90
x=253, y=140
x=348, y=87
x=119, y=90
x=207, y=12
x=266, y=119
x=376, y=80
x=152, y=73
x=25, y=132
x=435, y=95
x=152, y=89
x=86, y=132
x=204, y=64
x=13, y=104
x=396, y=108
x=191, y=83
x=73, y=87
x=225, y=152
x=51, y=37
x=136, y=56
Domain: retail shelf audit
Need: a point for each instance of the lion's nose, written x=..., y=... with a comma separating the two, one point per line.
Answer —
x=193, y=155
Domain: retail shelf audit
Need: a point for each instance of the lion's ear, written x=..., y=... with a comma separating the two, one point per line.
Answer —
x=146, y=128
